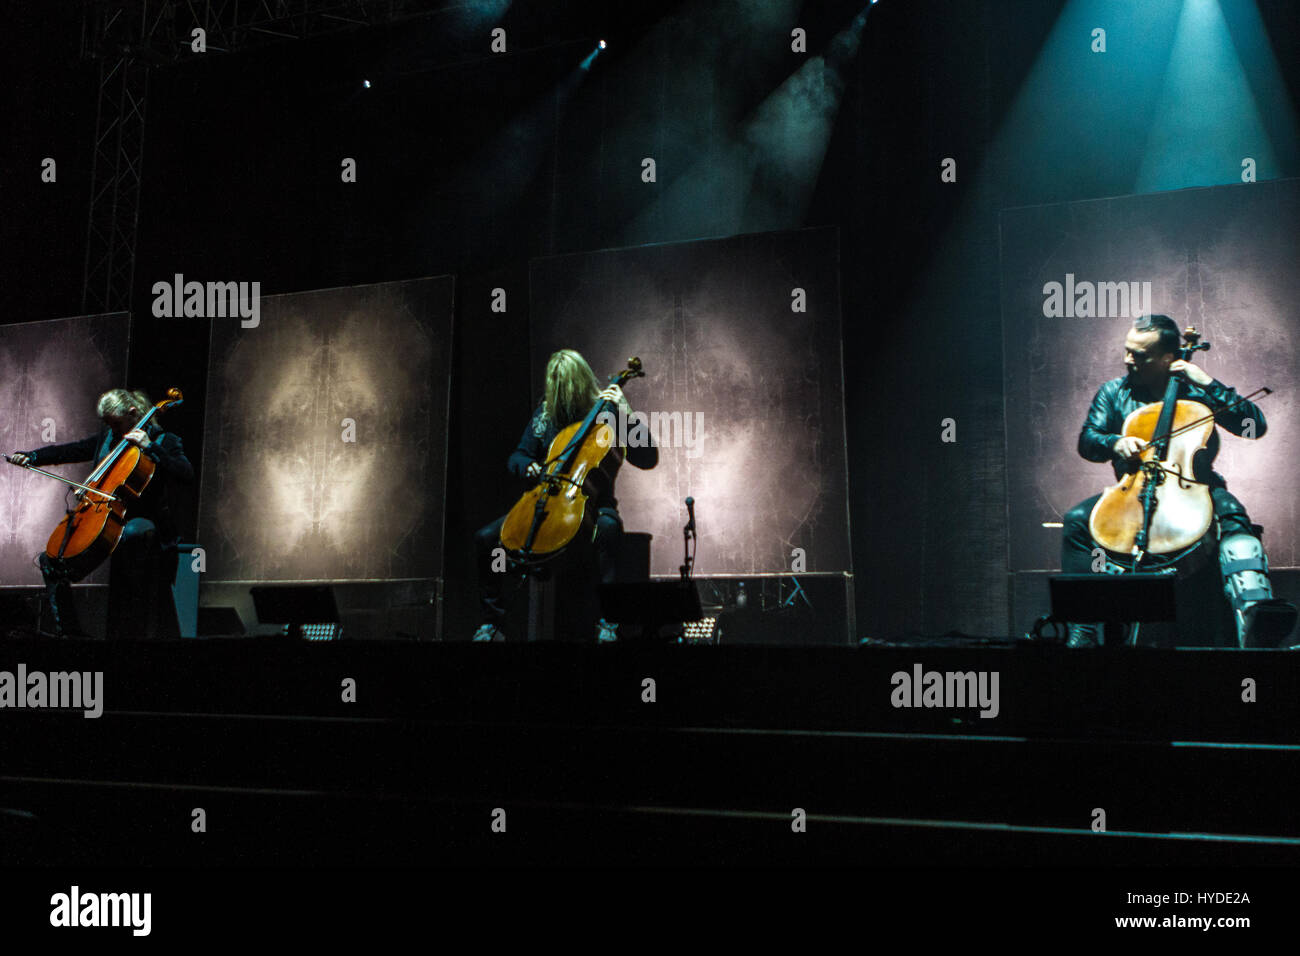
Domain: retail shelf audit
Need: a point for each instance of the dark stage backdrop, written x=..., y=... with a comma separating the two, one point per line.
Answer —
x=1222, y=259
x=713, y=323
x=51, y=375
x=285, y=496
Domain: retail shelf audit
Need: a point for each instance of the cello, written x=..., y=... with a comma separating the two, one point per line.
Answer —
x=89, y=533
x=1160, y=506
x=580, y=465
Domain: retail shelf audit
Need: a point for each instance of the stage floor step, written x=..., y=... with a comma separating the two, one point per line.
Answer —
x=97, y=825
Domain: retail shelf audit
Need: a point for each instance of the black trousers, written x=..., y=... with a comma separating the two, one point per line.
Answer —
x=1077, y=542
x=141, y=572
x=608, y=534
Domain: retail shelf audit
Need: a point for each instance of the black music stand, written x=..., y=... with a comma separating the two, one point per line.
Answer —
x=653, y=605
x=298, y=606
x=1132, y=598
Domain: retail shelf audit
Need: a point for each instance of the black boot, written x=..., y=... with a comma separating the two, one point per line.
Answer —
x=58, y=589
x=1268, y=623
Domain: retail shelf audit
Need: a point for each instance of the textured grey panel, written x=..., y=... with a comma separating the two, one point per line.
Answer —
x=51, y=371
x=713, y=324
x=1222, y=259
x=284, y=496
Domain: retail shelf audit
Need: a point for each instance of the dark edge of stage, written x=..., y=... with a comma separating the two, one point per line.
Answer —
x=229, y=779
x=396, y=753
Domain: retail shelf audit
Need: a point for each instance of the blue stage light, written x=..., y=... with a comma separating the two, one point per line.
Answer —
x=1207, y=117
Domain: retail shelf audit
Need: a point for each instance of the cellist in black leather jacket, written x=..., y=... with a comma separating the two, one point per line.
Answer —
x=1150, y=356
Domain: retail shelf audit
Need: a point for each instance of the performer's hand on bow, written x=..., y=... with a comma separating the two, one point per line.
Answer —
x=18, y=458
x=137, y=437
x=1129, y=446
x=1193, y=372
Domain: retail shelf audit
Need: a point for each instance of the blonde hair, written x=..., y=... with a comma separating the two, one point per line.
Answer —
x=116, y=402
x=571, y=388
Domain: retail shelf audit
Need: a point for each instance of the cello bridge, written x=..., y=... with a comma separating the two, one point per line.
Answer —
x=576, y=481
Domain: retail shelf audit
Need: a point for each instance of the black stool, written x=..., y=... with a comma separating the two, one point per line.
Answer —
x=563, y=596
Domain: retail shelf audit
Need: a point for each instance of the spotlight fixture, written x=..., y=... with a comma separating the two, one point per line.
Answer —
x=602, y=44
x=365, y=84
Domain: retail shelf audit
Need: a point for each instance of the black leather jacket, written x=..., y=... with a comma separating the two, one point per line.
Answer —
x=1116, y=399
x=536, y=442
x=164, y=448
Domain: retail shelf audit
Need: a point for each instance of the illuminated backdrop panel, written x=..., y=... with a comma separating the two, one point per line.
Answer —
x=51, y=375
x=742, y=336
x=1222, y=259
x=326, y=436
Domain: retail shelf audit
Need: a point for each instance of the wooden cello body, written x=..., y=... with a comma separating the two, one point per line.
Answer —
x=1184, y=510
x=581, y=465
x=88, y=534
x=1156, y=508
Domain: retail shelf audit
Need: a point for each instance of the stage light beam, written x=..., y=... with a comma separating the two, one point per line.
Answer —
x=1206, y=121
x=475, y=16
x=591, y=57
x=761, y=179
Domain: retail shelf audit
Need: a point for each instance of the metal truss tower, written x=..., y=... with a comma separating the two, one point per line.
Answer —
x=129, y=39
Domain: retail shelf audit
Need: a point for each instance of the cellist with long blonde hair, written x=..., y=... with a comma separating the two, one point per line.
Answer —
x=570, y=392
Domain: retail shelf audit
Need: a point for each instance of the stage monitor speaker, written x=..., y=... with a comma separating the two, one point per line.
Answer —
x=653, y=605
x=218, y=622
x=309, y=610
x=20, y=611
x=1113, y=598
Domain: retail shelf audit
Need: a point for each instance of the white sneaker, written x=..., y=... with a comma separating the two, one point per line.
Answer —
x=489, y=632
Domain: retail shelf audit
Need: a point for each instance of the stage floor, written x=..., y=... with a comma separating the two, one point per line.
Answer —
x=387, y=752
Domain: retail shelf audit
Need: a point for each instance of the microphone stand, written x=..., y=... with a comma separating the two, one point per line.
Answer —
x=688, y=542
